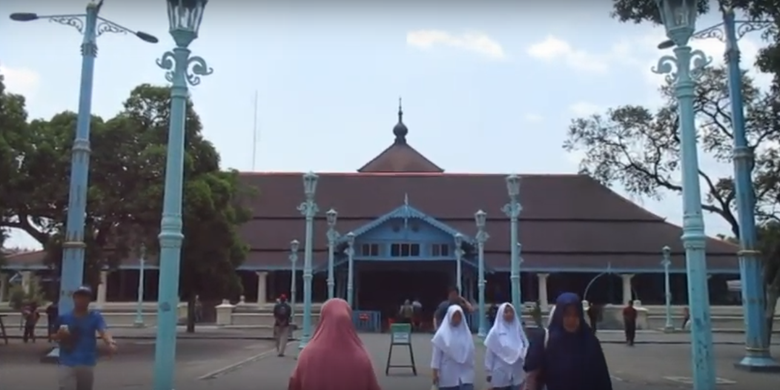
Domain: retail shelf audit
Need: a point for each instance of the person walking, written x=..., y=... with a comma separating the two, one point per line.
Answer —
x=593, y=316
x=452, y=359
x=335, y=357
x=567, y=356
x=282, y=320
x=78, y=345
x=629, y=323
x=506, y=347
x=30, y=316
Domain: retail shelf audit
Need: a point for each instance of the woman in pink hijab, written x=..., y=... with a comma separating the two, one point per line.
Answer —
x=334, y=358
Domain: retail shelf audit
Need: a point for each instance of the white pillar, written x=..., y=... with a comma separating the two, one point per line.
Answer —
x=3, y=286
x=627, y=291
x=26, y=281
x=261, y=295
x=102, y=288
x=544, y=302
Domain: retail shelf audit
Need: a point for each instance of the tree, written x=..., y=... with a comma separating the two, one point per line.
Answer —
x=639, y=149
x=212, y=248
x=125, y=193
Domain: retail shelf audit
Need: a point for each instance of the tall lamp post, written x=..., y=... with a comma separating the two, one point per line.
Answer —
x=683, y=68
x=757, y=354
x=350, y=267
x=480, y=218
x=666, y=262
x=184, y=17
x=458, y=262
x=333, y=235
x=294, y=245
x=91, y=25
x=512, y=210
x=309, y=209
x=139, y=308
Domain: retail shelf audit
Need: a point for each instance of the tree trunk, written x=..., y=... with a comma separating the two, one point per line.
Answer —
x=191, y=314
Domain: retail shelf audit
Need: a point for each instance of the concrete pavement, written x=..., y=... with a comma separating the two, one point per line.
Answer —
x=633, y=368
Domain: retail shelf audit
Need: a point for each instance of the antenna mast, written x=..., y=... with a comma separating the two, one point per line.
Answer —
x=254, y=137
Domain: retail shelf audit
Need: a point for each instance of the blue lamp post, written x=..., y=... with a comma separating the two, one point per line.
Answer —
x=350, y=267
x=757, y=353
x=309, y=209
x=666, y=262
x=294, y=245
x=480, y=217
x=139, y=308
x=458, y=262
x=512, y=210
x=679, y=19
x=182, y=69
x=333, y=235
x=91, y=25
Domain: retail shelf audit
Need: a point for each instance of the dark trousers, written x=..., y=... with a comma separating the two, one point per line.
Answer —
x=29, y=333
x=630, y=328
x=594, y=324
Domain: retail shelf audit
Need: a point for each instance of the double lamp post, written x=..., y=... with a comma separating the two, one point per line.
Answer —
x=683, y=70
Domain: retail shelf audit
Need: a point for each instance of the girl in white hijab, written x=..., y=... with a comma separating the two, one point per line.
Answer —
x=453, y=353
x=507, y=346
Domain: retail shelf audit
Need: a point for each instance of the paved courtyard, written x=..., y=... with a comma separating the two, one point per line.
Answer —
x=131, y=367
x=641, y=367
x=227, y=364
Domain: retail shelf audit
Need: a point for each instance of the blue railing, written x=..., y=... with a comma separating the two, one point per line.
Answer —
x=367, y=321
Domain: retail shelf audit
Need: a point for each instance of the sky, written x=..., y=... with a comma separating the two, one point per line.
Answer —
x=488, y=86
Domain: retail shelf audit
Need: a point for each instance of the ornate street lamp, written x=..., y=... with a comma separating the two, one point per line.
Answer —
x=182, y=69
x=91, y=25
x=350, y=267
x=139, y=308
x=683, y=69
x=308, y=209
x=480, y=217
x=757, y=351
x=666, y=262
x=333, y=235
x=458, y=262
x=512, y=210
x=294, y=245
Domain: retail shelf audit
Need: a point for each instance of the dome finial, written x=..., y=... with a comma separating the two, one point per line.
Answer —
x=400, y=129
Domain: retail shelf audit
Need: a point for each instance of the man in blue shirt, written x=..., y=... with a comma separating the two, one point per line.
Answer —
x=453, y=298
x=78, y=345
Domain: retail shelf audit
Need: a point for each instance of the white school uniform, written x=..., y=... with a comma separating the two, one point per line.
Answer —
x=453, y=351
x=507, y=346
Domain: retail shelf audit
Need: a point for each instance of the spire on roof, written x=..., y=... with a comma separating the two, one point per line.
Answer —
x=400, y=129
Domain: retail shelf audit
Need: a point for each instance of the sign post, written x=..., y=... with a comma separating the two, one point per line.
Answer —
x=400, y=335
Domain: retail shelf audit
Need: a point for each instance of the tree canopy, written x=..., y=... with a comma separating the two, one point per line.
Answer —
x=126, y=186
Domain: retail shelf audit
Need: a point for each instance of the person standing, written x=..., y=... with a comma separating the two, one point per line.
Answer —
x=417, y=319
x=686, y=318
x=282, y=320
x=453, y=298
x=506, y=346
x=30, y=316
x=452, y=359
x=593, y=316
x=406, y=313
x=78, y=346
x=629, y=322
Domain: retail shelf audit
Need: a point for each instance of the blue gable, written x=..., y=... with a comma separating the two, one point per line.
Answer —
x=407, y=213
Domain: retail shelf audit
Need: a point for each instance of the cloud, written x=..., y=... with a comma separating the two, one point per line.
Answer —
x=533, y=118
x=554, y=49
x=584, y=108
x=20, y=80
x=475, y=42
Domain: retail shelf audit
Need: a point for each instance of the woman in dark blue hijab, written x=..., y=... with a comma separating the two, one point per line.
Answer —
x=568, y=356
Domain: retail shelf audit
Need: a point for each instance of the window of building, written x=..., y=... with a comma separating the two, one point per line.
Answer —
x=369, y=250
x=405, y=250
x=440, y=250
